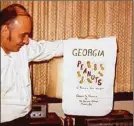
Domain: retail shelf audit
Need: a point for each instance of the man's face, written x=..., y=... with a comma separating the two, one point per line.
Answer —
x=17, y=34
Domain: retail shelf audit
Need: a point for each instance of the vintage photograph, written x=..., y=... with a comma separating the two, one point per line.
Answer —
x=66, y=63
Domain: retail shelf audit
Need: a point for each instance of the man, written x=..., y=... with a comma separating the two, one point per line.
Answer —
x=17, y=50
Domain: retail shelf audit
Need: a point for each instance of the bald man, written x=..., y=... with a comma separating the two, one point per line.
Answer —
x=17, y=50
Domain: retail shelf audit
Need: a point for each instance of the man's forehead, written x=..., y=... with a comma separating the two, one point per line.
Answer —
x=22, y=23
x=22, y=20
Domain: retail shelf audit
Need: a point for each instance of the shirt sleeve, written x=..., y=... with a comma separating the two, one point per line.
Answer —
x=44, y=50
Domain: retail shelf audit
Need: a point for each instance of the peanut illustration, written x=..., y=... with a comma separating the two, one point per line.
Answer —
x=82, y=79
x=88, y=64
x=95, y=67
x=102, y=67
x=101, y=74
x=89, y=80
x=78, y=73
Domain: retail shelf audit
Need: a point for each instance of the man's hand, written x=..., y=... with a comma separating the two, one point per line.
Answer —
x=89, y=37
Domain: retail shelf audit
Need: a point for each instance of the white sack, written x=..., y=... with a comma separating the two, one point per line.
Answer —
x=89, y=71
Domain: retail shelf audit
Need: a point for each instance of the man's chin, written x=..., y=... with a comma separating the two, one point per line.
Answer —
x=16, y=50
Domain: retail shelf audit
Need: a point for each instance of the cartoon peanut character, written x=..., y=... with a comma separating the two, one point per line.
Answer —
x=88, y=64
x=101, y=74
x=102, y=67
x=89, y=80
x=78, y=73
x=95, y=67
x=82, y=79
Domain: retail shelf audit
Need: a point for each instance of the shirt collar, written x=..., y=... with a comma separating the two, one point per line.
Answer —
x=4, y=54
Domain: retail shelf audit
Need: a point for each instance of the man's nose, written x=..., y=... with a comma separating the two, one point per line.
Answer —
x=26, y=40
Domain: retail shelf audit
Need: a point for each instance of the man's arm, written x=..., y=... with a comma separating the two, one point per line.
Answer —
x=45, y=50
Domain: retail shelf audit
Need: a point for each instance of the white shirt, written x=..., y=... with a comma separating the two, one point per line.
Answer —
x=15, y=76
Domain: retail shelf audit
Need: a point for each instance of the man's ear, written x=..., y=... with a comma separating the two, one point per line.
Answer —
x=4, y=30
